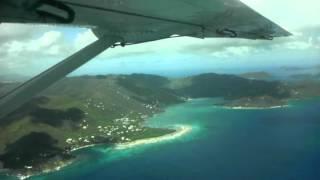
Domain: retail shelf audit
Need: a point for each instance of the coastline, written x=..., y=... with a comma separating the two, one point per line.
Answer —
x=180, y=131
x=82, y=147
x=61, y=165
x=255, y=108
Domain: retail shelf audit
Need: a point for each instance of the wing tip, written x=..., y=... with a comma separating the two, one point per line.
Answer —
x=283, y=33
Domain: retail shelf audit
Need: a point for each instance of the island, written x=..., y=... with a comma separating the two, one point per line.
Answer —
x=83, y=111
x=262, y=102
x=257, y=75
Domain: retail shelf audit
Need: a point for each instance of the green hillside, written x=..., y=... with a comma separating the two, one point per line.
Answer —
x=86, y=110
x=229, y=87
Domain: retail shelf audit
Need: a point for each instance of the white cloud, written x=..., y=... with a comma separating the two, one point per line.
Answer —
x=48, y=39
x=298, y=45
x=84, y=38
x=52, y=46
x=32, y=53
x=11, y=31
x=48, y=44
x=303, y=41
x=239, y=51
x=291, y=14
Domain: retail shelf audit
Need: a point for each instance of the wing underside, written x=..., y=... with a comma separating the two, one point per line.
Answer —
x=145, y=20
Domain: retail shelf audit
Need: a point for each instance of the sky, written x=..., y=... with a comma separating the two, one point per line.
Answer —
x=27, y=50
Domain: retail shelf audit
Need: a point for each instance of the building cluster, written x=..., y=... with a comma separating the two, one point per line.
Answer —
x=84, y=124
x=82, y=140
x=98, y=105
x=121, y=128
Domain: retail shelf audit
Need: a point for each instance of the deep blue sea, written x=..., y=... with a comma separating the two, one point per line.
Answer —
x=225, y=144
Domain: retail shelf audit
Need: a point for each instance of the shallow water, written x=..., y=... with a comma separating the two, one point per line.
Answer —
x=224, y=144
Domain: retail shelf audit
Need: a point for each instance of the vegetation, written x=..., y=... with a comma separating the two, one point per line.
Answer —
x=257, y=75
x=34, y=148
x=81, y=111
x=56, y=117
x=304, y=88
x=256, y=102
x=232, y=87
x=150, y=88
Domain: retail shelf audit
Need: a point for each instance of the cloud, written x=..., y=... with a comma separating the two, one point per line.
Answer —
x=315, y=67
x=84, y=38
x=29, y=49
x=291, y=14
x=48, y=44
x=298, y=45
x=10, y=32
x=302, y=40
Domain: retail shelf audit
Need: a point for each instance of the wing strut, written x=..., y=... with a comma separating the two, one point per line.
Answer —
x=22, y=94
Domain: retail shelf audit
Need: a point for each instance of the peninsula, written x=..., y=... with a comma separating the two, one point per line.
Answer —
x=83, y=111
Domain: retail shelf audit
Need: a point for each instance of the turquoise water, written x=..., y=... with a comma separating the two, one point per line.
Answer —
x=224, y=144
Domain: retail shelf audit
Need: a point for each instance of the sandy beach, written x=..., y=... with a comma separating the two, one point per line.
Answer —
x=180, y=130
x=83, y=147
x=253, y=108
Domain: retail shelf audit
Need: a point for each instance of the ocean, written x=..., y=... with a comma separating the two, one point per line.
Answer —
x=224, y=144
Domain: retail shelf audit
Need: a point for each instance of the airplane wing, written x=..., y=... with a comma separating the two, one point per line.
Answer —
x=129, y=22
x=137, y=21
